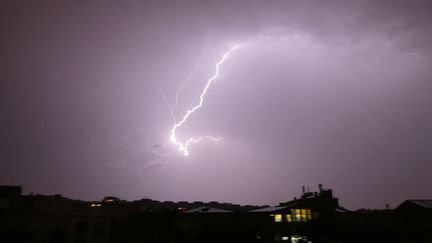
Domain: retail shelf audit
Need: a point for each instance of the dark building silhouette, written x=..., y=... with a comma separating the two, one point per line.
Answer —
x=314, y=217
x=413, y=220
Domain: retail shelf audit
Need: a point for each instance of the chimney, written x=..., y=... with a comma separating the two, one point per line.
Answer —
x=303, y=189
x=320, y=187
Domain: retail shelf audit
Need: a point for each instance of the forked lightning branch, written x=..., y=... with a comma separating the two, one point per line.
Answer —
x=183, y=146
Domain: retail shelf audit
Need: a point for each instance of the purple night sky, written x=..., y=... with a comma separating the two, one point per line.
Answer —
x=334, y=92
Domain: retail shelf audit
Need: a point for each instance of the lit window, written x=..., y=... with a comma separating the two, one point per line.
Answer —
x=297, y=239
x=288, y=218
x=300, y=215
x=285, y=238
x=296, y=215
x=309, y=214
x=278, y=218
x=303, y=215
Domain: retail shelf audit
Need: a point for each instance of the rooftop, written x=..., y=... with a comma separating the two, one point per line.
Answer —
x=207, y=210
x=269, y=209
x=422, y=203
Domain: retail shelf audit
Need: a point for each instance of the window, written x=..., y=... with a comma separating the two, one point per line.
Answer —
x=303, y=215
x=298, y=239
x=297, y=215
x=300, y=215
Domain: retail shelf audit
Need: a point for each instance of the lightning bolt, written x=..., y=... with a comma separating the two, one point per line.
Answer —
x=197, y=65
x=184, y=147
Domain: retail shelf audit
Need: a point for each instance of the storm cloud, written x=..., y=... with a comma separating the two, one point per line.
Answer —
x=331, y=92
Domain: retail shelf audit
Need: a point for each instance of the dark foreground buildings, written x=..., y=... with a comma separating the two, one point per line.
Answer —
x=314, y=217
